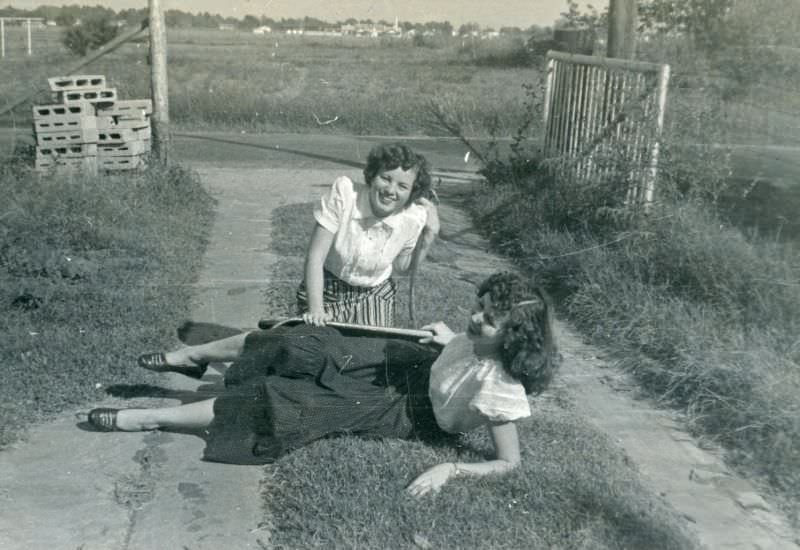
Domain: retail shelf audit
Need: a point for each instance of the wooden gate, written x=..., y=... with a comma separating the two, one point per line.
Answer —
x=603, y=118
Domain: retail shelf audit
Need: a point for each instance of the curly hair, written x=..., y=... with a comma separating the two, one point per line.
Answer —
x=386, y=157
x=529, y=351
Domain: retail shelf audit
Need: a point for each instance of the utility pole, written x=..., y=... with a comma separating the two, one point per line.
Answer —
x=621, y=29
x=158, y=83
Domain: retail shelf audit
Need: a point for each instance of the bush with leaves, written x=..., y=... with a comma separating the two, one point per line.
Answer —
x=89, y=35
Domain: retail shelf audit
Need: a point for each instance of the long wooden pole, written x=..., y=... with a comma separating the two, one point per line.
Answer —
x=2, y=37
x=622, y=29
x=30, y=46
x=158, y=83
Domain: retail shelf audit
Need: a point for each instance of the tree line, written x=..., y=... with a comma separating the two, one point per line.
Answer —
x=67, y=16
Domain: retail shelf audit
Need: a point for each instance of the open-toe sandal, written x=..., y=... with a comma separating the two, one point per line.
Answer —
x=104, y=419
x=157, y=362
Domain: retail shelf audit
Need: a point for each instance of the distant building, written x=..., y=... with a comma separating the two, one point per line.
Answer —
x=227, y=27
x=262, y=30
x=322, y=32
x=370, y=29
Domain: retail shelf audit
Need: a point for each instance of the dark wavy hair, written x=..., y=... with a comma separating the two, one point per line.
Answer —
x=389, y=156
x=529, y=351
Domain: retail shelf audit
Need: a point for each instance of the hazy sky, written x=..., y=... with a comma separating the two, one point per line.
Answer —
x=495, y=13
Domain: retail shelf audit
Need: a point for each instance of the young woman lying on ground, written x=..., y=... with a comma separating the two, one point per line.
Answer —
x=292, y=385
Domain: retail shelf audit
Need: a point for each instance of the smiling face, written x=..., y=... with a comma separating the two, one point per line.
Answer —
x=485, y=326
x=389, y=190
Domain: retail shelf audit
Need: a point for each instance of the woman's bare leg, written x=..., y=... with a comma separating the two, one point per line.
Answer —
x=227, y=349
x=192, y=416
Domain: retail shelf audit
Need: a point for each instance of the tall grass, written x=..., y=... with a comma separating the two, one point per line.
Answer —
x=704, y=317
x=93, y=270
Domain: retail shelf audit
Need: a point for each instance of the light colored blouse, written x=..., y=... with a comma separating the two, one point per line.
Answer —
x=467, y=391
x=364, y=245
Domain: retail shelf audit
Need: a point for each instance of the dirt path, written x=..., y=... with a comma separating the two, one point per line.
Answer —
x=68, y=488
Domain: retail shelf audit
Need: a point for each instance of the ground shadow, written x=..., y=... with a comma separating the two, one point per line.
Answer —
x=213, y=387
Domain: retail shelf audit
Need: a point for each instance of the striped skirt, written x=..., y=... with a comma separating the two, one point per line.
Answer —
x=354, y=304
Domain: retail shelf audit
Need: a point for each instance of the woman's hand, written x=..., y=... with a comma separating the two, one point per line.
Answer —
x=441, y=334
x=432, y=479
x=318, y=319
x=432, y=225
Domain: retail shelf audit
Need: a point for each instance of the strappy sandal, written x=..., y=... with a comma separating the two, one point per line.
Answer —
x=104, y=419
x=158, y=363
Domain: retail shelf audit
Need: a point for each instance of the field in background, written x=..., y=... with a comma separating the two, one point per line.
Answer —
x=237, y=80
x=357, y=85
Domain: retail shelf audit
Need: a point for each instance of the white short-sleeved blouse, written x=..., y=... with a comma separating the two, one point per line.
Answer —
x=467, y=391
x=364, y=245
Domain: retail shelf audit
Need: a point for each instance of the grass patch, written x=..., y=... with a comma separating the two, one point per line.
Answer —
x=705, y=318
x=574, y=490
x=93, y=269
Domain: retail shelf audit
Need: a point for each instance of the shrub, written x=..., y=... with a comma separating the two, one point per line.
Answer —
x=89, y=35
x=503, y=52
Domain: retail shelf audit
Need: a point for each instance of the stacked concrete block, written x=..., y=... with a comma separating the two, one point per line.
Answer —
x=91, y=128
x=66, y=137
x=124, y=134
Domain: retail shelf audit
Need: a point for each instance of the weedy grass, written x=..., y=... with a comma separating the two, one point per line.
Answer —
x=574, y=488
x=94, y=269
x=706, y=318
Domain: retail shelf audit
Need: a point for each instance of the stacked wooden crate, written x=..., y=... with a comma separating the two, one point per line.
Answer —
x=89, y=128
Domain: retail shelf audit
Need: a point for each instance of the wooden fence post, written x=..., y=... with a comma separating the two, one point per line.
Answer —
x=158, y=83
x=621, y=29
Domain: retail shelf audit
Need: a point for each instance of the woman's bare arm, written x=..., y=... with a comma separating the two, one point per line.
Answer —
x=507, y=457
x=408, y=261
x=318, y=248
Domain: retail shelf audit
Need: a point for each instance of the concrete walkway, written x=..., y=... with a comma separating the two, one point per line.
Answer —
x=67, y=488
